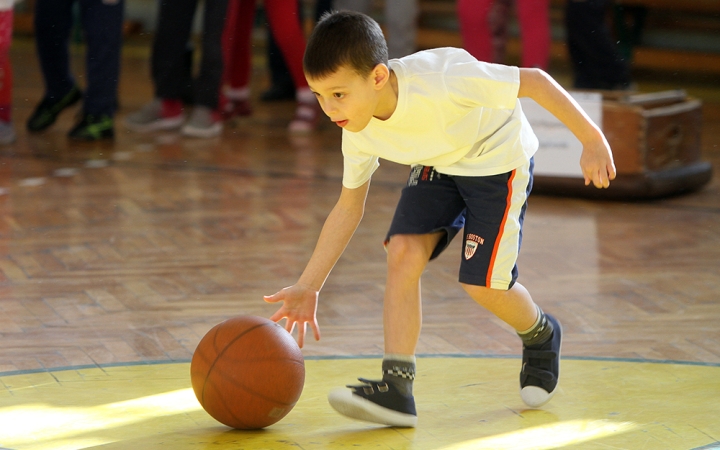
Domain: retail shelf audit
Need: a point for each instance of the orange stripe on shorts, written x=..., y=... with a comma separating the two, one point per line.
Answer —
x=488, y=280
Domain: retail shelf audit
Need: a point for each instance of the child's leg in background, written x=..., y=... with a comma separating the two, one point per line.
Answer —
x=6, y=27
x=102, y=24
x=475, y=29
x=209, y=79
x=53, y=21
x=289, y=36
x=168, y=63
x=237, y=57
x=7, y=134
x=533, y=16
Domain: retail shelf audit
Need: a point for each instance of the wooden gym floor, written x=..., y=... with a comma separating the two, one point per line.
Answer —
x=117, y=258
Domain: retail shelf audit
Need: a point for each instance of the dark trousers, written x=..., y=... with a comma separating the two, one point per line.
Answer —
x=596, y=61
x=101, y=24
x=171, y=70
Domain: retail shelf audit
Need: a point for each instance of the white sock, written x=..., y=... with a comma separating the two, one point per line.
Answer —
x=242, y=93
x=305, y=95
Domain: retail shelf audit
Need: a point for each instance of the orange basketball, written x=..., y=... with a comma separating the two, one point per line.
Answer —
x=247, y=372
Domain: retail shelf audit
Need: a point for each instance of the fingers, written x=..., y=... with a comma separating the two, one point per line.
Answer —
x=316, y=329
x=302, y=328
x=611, y=171
x=278, y=316
x=600, y=178
x=301, y=334
x=274, y=298
x=298, y=308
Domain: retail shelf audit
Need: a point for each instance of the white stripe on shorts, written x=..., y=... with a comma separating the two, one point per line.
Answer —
x=507, y=246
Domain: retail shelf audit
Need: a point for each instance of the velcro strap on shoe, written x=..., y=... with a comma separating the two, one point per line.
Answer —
x=539, y=354
x=369, y=386
x=544, y=375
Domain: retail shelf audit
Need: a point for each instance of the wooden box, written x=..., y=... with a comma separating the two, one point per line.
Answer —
x=655, y=140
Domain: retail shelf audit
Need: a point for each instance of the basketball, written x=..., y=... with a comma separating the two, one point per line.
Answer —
x=247, y=372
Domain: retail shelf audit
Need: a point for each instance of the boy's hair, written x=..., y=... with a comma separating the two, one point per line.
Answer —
x=344, y=38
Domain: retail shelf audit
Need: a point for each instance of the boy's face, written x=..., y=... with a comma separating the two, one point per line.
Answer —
x=349, y=99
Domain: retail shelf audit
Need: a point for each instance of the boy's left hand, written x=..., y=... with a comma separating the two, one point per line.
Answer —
x=597, y=163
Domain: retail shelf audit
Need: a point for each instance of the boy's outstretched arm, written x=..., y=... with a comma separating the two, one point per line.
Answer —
x=300, y=300
x=596, y=160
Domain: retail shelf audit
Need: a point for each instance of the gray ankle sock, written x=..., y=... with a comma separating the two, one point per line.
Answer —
x=539, y=333
x=399, y=370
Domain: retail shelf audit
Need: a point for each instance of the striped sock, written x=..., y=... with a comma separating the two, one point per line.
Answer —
x=539, y=333
x=399, y=370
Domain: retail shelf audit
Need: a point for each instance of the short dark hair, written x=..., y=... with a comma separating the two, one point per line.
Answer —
x=344, y=38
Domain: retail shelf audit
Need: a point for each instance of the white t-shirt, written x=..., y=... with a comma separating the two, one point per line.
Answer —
x=455, y=113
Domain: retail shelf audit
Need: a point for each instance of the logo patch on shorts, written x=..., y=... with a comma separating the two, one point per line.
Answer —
x=472, y=242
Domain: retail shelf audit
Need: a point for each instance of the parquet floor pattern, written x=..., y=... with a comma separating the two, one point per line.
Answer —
x=131, y=251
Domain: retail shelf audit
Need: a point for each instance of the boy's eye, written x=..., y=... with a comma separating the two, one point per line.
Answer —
x=338, y=95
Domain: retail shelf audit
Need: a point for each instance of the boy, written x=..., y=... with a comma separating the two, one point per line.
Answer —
x=459, y=123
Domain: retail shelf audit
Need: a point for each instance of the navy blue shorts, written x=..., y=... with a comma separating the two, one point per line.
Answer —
x=489, y=209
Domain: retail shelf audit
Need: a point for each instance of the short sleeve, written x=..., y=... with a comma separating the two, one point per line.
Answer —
x=358, y=166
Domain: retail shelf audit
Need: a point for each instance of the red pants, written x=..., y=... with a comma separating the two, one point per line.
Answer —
x=6, y=27
x=478, y=24
x=285, y=27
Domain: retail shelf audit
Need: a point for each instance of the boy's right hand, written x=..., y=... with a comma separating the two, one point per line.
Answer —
x=597, y=163
x=299, y=307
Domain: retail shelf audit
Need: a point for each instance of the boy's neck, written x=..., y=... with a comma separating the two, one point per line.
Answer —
x=388, y=99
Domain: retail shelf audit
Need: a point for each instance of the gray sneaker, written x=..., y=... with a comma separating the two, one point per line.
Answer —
x=203, y=123
x=152, y=117
x=7, y=133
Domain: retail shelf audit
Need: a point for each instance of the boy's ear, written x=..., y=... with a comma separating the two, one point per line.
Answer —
x=380, y=75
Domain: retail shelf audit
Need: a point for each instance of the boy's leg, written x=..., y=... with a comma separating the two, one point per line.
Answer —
x=514, y=306
x=390, y=401
x=429, y=214
x=408, y=255
x=488, y=272
x=541, y=335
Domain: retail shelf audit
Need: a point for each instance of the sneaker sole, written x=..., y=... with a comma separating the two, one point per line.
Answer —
x=211, y=132
x=64, y=103
x=534, y=396
x=170, y=123
x=356, y=407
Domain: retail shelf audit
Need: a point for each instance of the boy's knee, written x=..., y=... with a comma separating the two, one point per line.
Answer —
x=409, y=249
x=482, y=294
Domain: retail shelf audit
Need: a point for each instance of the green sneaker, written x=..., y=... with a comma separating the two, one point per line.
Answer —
x=47, y=111
x=93, y=127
